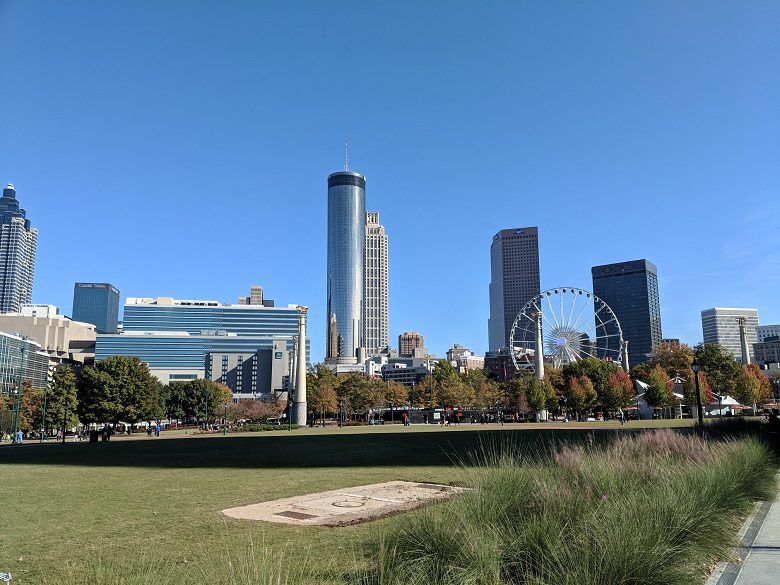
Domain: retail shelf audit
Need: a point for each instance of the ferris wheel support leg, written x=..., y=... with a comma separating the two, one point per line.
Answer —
x=539, y=349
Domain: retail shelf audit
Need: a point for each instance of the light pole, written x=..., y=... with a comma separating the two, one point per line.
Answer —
x=695, y=368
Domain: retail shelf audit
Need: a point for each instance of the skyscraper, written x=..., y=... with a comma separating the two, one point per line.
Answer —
x=631, y=291
x=18, y=244
x=375, y=295
x=346, y=262
x=96, y=303
x=514, y=280
x=408, y=342
x=721, y=325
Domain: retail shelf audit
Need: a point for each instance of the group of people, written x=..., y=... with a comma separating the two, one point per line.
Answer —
x=16, y=438
x=153, y=429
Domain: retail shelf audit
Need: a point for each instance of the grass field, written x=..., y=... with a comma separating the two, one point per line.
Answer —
x=155, y=503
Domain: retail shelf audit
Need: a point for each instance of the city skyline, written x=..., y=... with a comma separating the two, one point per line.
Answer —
x=663, y=169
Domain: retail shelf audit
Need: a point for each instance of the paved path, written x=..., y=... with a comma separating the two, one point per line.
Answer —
x=762, y=563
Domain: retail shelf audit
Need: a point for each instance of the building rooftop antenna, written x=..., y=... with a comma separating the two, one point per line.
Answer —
x=346, y=153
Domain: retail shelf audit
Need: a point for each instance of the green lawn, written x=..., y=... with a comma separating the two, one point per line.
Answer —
x=157, y=502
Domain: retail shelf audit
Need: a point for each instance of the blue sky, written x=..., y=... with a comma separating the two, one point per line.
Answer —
x=182, y=148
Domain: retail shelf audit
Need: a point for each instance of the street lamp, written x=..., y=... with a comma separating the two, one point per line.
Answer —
x=695, y=368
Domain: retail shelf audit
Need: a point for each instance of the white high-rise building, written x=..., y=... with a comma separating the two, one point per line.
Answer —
x=720, y=325
x=375, y=303
x=18, y=244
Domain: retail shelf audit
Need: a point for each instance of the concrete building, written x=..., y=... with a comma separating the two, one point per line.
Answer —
x=631, y=291
x=96, y=303
x=674, y=341
x=62, y=339
x=346, y=263
x=21, y=359
x=765, y=331
x=514, y=280
x=256, y=297
x=408, y=342
x=175, y=337
x=720, y=325
x=498, y=364
x=375, y=298
x=463, y=359
x=767, y=351
x=18, y=245
x=263, y=374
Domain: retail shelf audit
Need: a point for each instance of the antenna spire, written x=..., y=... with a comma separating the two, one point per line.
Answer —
x=346, y=153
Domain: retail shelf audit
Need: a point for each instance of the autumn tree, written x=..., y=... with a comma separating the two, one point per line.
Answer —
x=579, y=394
x=619, y=392
x=658, y=394
x=747, y=389
x=321, y=384
x=689, y=388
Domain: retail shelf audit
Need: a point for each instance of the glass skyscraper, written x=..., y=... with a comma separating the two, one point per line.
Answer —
x=18, y=244
x=96, y=303
x=346, y=257
x=514, y=280
x=631, y=291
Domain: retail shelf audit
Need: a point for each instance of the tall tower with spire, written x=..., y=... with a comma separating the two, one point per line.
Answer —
x=346, y=257
x=18, y=245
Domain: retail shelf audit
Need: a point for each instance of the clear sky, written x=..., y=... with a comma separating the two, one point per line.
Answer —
x=182, y=148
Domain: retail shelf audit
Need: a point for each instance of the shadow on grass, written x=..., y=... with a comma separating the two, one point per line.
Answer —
x=402, y=449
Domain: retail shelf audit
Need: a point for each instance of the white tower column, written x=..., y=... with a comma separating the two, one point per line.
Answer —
x=625, y=357
x=743, y=341
x=539, y=349
x=300, y=369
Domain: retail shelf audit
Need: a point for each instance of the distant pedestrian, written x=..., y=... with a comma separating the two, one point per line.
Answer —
x=149, y=430
x=19, y=436
x=157, y=430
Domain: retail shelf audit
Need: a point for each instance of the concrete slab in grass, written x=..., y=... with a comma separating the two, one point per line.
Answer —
x=348, y=505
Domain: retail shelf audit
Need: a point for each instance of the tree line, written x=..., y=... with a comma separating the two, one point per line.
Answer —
x=117, y=390
x=576, y=389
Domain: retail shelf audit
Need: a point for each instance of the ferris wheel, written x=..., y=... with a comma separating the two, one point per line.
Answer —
x=575, y=324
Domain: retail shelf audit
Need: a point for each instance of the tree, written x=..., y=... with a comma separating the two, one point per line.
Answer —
x=598, y=371
x=355, y=392
x=486, y=392
x=174, y=399
x=620, y=391
x=689, y=388
x=657, y=394
x=579, y=394
x=452, y=392
x=764, y=385
x=207, y=399
x=62, y=395
x=397, y=394
x=117, y=389
x=255, y=410
x=321, y=385
x=30, y=408
x=673, y=358
x=747, y=389
x=719, y=365
x=539, y=394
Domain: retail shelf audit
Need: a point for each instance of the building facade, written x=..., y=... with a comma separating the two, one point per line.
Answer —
x=263, y=374
x=345, y=269
x=463, y=359
x=408, y=342
x=765, y=331
x=721, y=325
x=174, y=337
x=96, y=303
x=631, y=291
x=375, y=298
x=18, y=245
x=768, y=351
x=514, y=280
x=21, y=360
x=62, y=339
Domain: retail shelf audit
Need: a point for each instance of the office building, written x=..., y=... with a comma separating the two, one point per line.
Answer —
x=767, y=351
x=630, y=289
x=765, y=331
x=345, y=270
x=262, y=374
x=62, y=339
x=175, y=337
x=673, y=341
x=255, y=297
x=96, y=303
x=21, y=359
x=375, y=299
x=514, y=280
x=463, y=359
x=408, y=342
x=721, y=325
x=18, y=244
